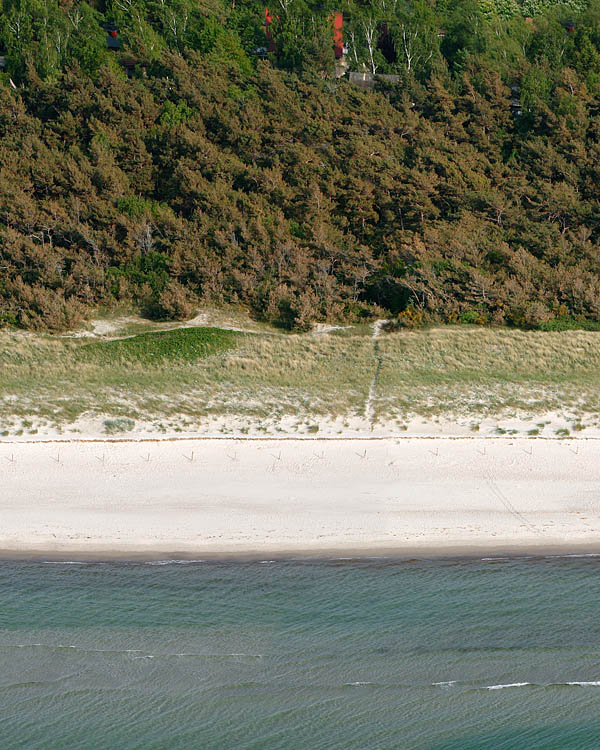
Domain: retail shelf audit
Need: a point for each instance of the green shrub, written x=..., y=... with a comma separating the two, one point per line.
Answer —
x=122, y=424
x=567, y=323
x=175, y=114
x=473, y=317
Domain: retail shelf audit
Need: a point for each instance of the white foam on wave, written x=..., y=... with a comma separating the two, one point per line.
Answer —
x=80, y=648
x=357, y=684
x=585, y=683
x=582, y=554
x=503, y=686
x=508, y=685
x=65, y=562
x=174, y=562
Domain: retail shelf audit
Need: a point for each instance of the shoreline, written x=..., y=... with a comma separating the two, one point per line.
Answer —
x=250, y=498
x=299, y=557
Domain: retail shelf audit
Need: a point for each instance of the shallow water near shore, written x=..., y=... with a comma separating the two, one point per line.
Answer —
x=501, y=653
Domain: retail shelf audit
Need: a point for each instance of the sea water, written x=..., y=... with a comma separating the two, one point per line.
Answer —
x=493, y=653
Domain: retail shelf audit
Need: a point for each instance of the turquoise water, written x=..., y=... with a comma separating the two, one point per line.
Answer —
x=340, y=654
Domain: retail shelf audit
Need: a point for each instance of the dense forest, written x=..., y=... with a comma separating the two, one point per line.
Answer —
x=163, y=153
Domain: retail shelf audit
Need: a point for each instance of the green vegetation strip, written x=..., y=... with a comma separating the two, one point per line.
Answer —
x=182, y=344
x=178, y=379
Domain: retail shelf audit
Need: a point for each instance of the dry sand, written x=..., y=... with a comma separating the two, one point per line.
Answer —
x=329, y=497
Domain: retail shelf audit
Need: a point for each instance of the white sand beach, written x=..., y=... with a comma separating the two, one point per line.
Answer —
x=330, y=497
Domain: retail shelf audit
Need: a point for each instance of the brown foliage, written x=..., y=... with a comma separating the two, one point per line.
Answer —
x=298, y=201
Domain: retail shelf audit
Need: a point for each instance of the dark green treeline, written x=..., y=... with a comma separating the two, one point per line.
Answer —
x=187, y=165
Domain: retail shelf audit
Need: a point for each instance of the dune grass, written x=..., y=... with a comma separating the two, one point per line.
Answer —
x=479, y=371
x=195, y=373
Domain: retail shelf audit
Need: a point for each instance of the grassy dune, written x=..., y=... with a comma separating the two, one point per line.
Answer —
x=482, y=372
x=182, y=377
x=155, y=376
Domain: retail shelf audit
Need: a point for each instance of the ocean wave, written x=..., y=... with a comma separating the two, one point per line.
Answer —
x=174, y=562
x=38, y=683
x=76, y=648
x=507, y=685
x=557, y=556
x=582, y=554
x=193, y=655
x=573, y=683
x=66, y=562
x=585, y=683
